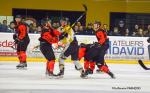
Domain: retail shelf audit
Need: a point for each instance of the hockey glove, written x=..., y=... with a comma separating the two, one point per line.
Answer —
x=14, y=36
x=17, y=41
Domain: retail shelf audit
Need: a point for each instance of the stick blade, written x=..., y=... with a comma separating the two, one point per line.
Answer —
x=85, y=7
x=142, y=65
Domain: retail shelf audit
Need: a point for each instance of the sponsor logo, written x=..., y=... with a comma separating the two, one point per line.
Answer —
x=7, y=43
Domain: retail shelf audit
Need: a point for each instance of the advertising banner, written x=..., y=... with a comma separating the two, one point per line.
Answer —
x=121, y=48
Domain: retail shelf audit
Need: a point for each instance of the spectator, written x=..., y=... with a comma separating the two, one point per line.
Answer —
x=39, y=29
x=32, y=28
x=105, y=27
x=76, y=29
x=127, y=32
x=135, y=30
x=148, y=28
x=4, y=26
x=139, y=33
x=89, y=30
x=116, y=32
x=121, y=28
x=147, y=33
x=11, y=27
x=81, y=30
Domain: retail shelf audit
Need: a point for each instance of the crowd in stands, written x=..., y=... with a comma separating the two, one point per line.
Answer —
x=79, y=29
x=135, y=31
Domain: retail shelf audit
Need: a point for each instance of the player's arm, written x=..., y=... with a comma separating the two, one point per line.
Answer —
x=46, y=36
x=56, y=32
x=22, y=31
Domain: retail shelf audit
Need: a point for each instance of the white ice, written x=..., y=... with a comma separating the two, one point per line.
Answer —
x=33, y=80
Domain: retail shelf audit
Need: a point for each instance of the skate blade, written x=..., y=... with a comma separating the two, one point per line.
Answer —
x=99, y=72
x=84, y=77
x=51, y=77
x=21, y=68
x=59, y=77
x=54, y=77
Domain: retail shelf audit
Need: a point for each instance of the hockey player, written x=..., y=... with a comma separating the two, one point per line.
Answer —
x=71, y=48
x=96, y=52
x=83, y=50
x=22, y=40
x=102, y=46
x=48, y=37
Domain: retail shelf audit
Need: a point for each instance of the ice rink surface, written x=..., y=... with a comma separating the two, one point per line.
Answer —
x=129, y=79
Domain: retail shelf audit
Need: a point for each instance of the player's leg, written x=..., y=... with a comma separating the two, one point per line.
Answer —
x=74, y=50
x=81, y=53
x=48, y=53
x=65, y=53
x=105, y=48
x=92, y=67
x=101, y=63
x=21, y=52
x=86, y=65
x=89, y=57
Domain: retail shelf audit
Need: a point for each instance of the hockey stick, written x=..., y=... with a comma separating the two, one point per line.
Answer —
x=13, y=48
x=85, y=11
x=143, y=65
x=85, y=8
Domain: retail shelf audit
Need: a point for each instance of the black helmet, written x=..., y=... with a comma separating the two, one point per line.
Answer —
x=97, y=22
x=18, y=16
x=44, y=21
x=64, y=19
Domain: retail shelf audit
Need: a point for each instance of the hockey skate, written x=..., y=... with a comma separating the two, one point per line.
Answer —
x=50, y=75
x=98, y=71
x=22, y=66
x=111, y=75
x=88, y=71
x=60, y=74
x=83, y=75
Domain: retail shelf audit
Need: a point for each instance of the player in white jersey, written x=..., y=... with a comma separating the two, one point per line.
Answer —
x=71, y=48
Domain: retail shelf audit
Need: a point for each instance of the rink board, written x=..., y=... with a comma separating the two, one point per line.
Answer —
x=121, y=50
x=15, y=59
